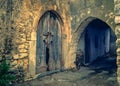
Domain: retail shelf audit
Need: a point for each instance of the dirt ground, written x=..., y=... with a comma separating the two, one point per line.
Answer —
x=102, y=72
x=82, y=77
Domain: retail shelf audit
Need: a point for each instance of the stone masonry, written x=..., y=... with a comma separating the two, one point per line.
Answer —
x=117, y=32
x=75, y=14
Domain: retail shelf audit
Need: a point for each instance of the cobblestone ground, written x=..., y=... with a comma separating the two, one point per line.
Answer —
x=83, y=77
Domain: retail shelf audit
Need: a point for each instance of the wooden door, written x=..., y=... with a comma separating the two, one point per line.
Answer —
x=49, y=45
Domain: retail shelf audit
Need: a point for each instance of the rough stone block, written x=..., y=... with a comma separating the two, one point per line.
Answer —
x=15, y=56
x=26, y=43
x=28, y=38
x=0, y=58
x=118, y=42
x=118, y=61
x=116, y=1
x=23, y=50
x=117, y=28
x=25, y=61
x=33, y=35
x=118, y=52
x=22, y=40
x=117, y=9
x=117, y=19
x=23, y=55
x=14, y=69
x=20, y=63
x=25, y=67
x=22, y=35
x=118, y=72
x=21, y=46
x=14, y=63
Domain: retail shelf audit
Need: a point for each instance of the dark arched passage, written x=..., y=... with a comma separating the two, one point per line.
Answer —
x=97, y=42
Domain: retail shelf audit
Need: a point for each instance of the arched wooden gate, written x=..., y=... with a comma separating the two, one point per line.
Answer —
x=49, y=42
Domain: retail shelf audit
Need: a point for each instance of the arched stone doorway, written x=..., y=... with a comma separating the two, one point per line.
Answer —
x=49, y=42
x=97, y=41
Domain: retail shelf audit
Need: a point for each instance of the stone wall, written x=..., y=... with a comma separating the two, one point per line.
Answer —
x=7, y=36
x=82, y=12
x=72, y=12
x=117, y=32
x=75, y=14
x=3, y=12
x=26, y=23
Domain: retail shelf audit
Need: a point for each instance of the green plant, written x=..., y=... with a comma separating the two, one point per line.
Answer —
x=5, y=76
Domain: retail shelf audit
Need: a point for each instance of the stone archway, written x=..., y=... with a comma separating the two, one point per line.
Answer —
x=49, y=42
x=96, y=40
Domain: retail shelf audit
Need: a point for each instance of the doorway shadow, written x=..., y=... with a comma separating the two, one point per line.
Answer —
x=104, y=64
